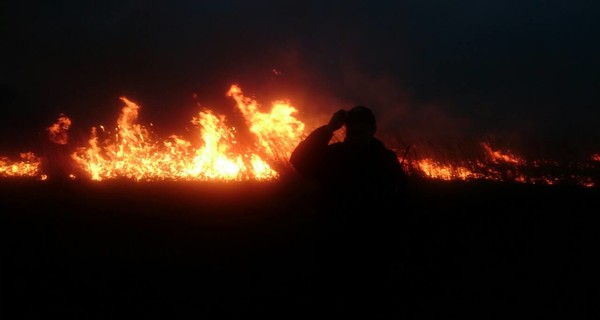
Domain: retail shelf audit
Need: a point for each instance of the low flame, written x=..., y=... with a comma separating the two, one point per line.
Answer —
x=27, y=166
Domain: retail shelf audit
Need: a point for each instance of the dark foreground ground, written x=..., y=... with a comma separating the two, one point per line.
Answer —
x=206, y=250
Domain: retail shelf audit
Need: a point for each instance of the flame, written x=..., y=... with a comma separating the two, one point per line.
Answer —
x=28, y=166
x=58, y=131
x=277, y=132
x=497, y=156
x=134, y=153
x=437, y=170
x=499, y=166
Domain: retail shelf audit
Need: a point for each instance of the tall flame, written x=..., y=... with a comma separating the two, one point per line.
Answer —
x=277, y=132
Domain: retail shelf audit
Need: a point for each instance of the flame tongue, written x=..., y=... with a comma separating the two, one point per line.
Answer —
x=134, y=153
x=278, y=132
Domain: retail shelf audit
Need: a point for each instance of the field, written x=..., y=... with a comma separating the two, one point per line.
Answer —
x=168, y=250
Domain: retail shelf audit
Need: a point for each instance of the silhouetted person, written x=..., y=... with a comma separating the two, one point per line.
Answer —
x=360, y=180
x=360, y=165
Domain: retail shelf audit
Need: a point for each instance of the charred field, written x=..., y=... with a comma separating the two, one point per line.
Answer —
x=114, y=249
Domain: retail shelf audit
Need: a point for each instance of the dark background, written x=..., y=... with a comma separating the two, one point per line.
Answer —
x=173, y=250
x=523, y=70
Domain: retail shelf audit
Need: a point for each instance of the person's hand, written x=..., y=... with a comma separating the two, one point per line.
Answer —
x=337, y=120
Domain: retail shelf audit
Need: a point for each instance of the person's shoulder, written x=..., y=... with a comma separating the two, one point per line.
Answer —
x=379, y=145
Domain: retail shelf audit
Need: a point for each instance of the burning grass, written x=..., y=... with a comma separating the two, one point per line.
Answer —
x=216, y=152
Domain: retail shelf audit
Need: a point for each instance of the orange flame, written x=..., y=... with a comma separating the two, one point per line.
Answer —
x=497, y=156
x=437, y=170
x=277, y=132
x=28, y=166
x=497, y=165
x=135, y=154
x=58, y=131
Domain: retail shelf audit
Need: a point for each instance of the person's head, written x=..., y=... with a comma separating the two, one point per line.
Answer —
x=360, y=124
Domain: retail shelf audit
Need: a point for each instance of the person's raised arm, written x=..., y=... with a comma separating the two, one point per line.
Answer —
x=309, y=156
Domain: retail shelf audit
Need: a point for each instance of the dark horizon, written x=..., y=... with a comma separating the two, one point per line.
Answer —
x=505, y=69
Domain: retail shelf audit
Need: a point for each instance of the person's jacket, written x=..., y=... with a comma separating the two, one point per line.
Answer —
x=342, y=168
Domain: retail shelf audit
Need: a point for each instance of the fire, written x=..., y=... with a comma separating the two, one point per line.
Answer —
x=134, y=153
x=58, y=132
x=277, y=132
x=497, y=156
x=499, y=166
x=215, y=152
x=437, y=170
x=27, y=166
x=30, y=165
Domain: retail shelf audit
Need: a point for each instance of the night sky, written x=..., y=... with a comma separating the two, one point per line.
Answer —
x=438, y=68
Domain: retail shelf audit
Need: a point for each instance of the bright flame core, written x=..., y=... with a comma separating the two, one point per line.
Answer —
x=134, y=153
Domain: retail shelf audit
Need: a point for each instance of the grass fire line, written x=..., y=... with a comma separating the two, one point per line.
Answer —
x=132, y=151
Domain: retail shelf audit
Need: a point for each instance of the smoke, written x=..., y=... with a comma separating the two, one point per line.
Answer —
x=432, y=72
x=318, y=89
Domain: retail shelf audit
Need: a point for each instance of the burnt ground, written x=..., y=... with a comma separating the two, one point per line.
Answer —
x=119, y=249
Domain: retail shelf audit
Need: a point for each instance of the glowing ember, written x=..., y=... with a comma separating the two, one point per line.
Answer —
x=134, y=153
x=596, y=157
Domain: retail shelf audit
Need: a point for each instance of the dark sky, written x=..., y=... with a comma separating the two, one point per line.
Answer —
x=439, y=68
